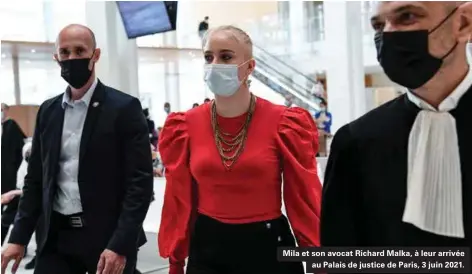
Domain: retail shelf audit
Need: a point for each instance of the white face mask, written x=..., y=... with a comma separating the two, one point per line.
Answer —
x=222, y=79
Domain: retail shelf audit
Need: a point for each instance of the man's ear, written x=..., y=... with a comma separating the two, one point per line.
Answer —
x=462, y=23
x=56, y=58
x=96, y=55
x=95, y=58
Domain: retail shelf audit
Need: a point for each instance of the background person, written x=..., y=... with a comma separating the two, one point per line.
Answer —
x=324, y=120
x=151, y=127
x=12, y=145
x=203, y=27
x=167, y=108
x=22, y=170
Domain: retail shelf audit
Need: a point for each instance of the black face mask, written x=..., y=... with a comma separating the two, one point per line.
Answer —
x=76, y=71
x=405, y=57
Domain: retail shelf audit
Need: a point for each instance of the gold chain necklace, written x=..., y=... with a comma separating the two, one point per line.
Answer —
x=234, y=144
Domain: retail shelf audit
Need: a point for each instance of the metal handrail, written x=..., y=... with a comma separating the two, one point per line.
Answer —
x=273, y=71
x=284, y=63
x=298, y=96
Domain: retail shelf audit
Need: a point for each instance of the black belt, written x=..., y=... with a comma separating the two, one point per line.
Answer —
x=69, y=221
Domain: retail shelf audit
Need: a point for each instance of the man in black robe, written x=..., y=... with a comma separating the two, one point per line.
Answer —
x=401, y=175
x=13, y=140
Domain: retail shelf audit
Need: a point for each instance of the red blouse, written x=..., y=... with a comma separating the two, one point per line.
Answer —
x=281, y=141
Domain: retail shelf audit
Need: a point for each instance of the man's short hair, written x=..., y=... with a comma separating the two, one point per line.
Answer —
x=92, y=34
x=206, y=17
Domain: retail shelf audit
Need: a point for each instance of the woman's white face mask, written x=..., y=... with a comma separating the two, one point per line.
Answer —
x=223, y=79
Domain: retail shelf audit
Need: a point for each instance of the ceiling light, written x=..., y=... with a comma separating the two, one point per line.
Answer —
x=33, y=51
x=4, y=55
x=27, y=61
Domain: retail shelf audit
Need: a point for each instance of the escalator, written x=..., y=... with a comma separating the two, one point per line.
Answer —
x=284, y=79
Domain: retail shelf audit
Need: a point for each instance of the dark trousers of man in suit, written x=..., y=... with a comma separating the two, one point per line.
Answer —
x=67, y=250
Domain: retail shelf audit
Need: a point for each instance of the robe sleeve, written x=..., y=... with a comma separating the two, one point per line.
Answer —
x=174, y=231
x=340, y=206
x=298, y=142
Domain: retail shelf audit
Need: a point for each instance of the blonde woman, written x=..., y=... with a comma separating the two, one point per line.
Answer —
x=225, y=162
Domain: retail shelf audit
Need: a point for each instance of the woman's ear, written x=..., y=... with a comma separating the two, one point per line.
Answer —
x=251, y=66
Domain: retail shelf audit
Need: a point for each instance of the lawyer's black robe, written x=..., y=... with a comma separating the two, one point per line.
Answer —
x=365, y=186
x=13, y=140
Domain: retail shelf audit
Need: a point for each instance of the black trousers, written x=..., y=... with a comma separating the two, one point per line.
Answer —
x=8, y=216
x=70, y=251
x=219, y=248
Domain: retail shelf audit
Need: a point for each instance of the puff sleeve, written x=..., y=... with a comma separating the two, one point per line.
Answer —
x=298, y=141
x=174, y=231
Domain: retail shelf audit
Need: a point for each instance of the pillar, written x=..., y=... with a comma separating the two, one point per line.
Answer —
x=172, y=85
x=187, y=22
x=345, y=66
x=118, y=64
x=297, y=36
x=296, y=22
x=16, y=78
x=48, y=21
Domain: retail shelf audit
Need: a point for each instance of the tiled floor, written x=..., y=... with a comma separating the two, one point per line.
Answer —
x=149, y=261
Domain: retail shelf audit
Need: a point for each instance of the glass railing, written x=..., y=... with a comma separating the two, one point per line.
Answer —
x=285, y=86
x=298, y=84
x=301, y=90
x=283, y=68
x=285, y=91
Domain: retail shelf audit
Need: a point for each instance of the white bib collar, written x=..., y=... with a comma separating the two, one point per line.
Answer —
x=434, y=196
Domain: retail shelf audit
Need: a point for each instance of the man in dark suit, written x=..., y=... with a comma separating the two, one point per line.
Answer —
x=89, y=181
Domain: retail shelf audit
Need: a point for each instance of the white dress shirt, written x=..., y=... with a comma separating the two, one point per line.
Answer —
x=434, y=200
x=67, y=199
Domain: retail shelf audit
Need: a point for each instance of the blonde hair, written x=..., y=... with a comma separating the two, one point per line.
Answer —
x=237, y=33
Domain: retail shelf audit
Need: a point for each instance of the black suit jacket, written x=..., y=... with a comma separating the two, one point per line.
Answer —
x=115, y=172
x=12, y=147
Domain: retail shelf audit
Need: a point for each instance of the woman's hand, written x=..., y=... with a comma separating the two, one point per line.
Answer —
x=157, y=172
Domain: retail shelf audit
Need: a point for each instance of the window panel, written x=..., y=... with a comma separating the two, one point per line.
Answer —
x=7, y=84
x=152, y=90
x=39, y=80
